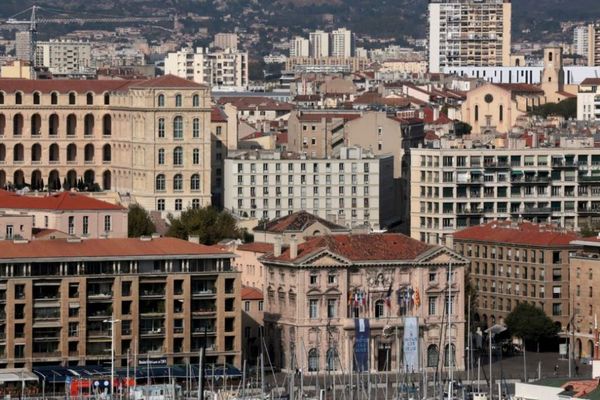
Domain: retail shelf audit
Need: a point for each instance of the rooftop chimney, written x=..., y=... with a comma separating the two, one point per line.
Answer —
x=277, y=247
x=293, y=247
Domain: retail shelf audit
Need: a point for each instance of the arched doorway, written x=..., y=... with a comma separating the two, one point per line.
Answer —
x=578, y=348
x=72, y=178
x=88, y=179
x=37, y=182
x=54, y=180
x=19, y=179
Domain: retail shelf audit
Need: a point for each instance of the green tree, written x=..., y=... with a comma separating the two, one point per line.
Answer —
x=209, y=224
x=566, y=109
x=462, y=128
x=139, y=222
x=531, y=324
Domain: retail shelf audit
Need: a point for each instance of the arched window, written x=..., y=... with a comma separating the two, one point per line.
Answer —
x=53, y=125
x=332, y=358
x=2, y=124
x=71, y=124
x=53, y=98
x=196, y=156
x=88, y=125
x=161, y=127
x=432, y=356
x=178, y=182
x=379, y=309
x=161, y=156
x=54, y=153
x=550, y=56
x=36, y=180
x=18, y=98
x=449, y=356
x=71, y=152
x=195, y=182
x=161, y=100
x=476, y=113
x=106, y=153
x=89, y=99
x=88, y=153
x=313, y=360
x=196, y=101
x=178, y=100
x=36, y=125
x=107, y=125
x=160, y=182
x=36, y=98
x=2, y=178
x=196, y=128
x=178, y=127
x=1, y=97
x=501, y=113
x=178, y=156
x=19, y=179
x=106, y=180
x=36, y=152
x=106, y=99
x=3, y=152
x=72, y=99
x=18, y=125
x=18, y=153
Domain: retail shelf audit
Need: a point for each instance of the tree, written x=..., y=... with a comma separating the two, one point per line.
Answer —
x=462, y=128
x=139, y=222
x=209, y=224
x=566, y=109
x=531, y=324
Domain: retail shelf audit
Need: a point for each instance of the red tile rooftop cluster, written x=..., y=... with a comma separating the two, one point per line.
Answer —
x=523, y=233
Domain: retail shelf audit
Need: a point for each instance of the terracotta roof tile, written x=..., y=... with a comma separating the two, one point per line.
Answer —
x=60, y=201
x=256, y=247
x=255, y=103
x=318, y=117
x=104, y=248
x=590, y=81
x=63, y=86
x=520, y=87
x=217, y=115
x=524, y=233
x=373, y=247
x=250, y=293
x=167, y=81
x=296, y=222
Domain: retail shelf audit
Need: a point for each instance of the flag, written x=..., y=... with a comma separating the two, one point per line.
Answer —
x=417, y=298
x=388, y=297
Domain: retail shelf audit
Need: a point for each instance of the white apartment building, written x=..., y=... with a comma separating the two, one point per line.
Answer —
x=23, y=45
x=453, y=188
x=217, y=68
x=342, y=43
x=469, y=33
x=319, y=44
x=226, y=41
x=299, y=47
x=355, y=189
x=588, y=100
x=581, y=40
x=64, y=57
x=571, y=75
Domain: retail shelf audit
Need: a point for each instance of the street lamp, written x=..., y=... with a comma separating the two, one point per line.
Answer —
x=112, y=323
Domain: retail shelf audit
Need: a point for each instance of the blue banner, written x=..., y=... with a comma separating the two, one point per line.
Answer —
x=362, y=333
x=411, y=344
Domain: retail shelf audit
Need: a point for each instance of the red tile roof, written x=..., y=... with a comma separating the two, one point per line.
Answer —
x=318, y=117
x=167, y=81
x=256, y=247
x=104, y=248
x=524, y=233
x=373, y=247
x=296, y=222
x=61, y=201
x=255, y=103
x=250, y=293
x=520, y=87
x=217, y=115
x=590, y=81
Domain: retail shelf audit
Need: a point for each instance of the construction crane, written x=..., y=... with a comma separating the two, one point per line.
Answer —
x=34, y=20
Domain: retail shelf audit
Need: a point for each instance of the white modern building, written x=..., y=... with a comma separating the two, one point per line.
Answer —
x=588, y=100
x=319, y=44
x=299, y=47
x=63, y=57
x=355, y=189
x=580, y=40
x=342, y=43
x=226, y=41
x=217, y=68
x=573, y=74
x=469, y=33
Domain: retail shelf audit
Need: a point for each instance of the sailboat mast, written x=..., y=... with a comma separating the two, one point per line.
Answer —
x=450, y=360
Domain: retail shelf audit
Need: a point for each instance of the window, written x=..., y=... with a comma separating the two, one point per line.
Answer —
x=195, y=182
x=71, y=225
x=260, y=305
x=178, y=127
x=432, y=305
x=53, y=98
x=178, y=100
x=36, y=98
x=195, y=204
x=476, y=113
x=196, y=156
x=332, y=357
x=161, y=127
x=450, y=355
x=246, y=306
x=86, y=225
x=160, y=204
x=107, y=223
x=196, y=128
x=89, y=99
x=178, y=182
x=9, y=232
x=18, y=98
x=501, y=113
x=178, y=204
x=72, y=99
x=160, y=182
x=196, y=101
x=314, y=279
x=331, y=278
x=178, y=156
x=379, y=309
x=161, y=156
x=161, y=100
x=432, y=356
x=313, y=309
x=331, y=308
x=313, y=360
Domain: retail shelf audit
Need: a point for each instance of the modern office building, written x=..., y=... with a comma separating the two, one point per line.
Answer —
x=469, y=33
x=163, y=297
x=517, y=262
x=353, y=189
x=218, y=68
x=453, y=188
x=332, y=297
x=148, y=140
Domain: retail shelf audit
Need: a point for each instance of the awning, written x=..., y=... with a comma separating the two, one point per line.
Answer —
x=16, y=375
x=517, y=172
x=53, y=374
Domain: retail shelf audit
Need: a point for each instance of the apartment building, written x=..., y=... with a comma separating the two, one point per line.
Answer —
x=226, y=41
x=218, y=68
x=584, y=279
x=581, y=40
x=593, y=41
x=318, y=44
x=24, y=46
x=252, y=323
x=588, y=100
x=164, y=297
x=147, y=139
x=299, y=47
x=326, y=307
x=454, y=188
x=354, y=189
x=469, y=33
x=342, y=43
x=64, y=57
x=517, y=262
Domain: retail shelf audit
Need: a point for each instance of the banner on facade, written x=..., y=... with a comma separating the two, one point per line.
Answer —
x=362, y=332
x=411, y=344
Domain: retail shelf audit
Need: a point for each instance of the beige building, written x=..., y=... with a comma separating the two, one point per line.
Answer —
x=588, y=100
x=453, y=188
x=64, y=57
x=149, y=140
x=593, y=44
x=316, y=292
x=514, y=263
x=226, y=41
x=469, y=33
x=18, y=69
x=163, y=293
x=252, y=323
x=224, y=138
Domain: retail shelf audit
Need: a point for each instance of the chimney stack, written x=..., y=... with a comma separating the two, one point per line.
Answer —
x=277, y=247
x=293, y=247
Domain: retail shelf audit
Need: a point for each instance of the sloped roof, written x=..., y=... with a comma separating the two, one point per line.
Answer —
x=61, y=201
x=519, y=87
x=524, y=233
x=296, y=222
x=168, y=81
x=251, y=293
x=373, y=247
x=590, y=81
x=255, y=103
x=10, y=85
x=217, y=115
x=257, y=247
